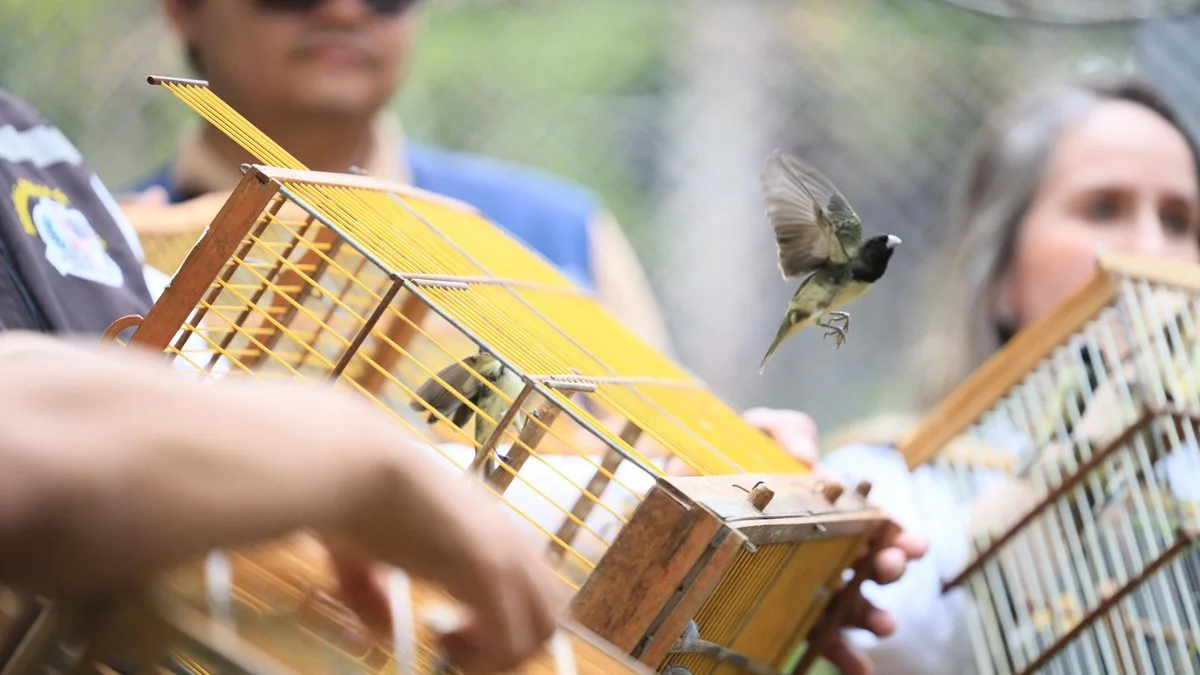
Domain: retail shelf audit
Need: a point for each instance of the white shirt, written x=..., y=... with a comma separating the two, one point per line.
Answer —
x=931, y=636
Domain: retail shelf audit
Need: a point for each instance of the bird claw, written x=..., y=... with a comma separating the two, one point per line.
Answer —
x=840, y=335
x=841, y=317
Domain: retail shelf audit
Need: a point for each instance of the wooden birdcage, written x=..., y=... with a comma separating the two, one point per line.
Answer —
x=376, y=286
x=1074, y=452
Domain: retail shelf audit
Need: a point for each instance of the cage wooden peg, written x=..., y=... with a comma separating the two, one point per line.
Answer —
x=760, y=496
x=863, y=488
x=830, y=490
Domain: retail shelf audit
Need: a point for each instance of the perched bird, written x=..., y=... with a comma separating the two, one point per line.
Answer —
x=485, y=398
x=819, y=234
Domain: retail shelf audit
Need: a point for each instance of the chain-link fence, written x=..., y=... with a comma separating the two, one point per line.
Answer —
x=667, y=109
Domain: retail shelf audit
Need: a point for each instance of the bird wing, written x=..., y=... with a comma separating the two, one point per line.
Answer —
x=440, y=397
x=813, y=222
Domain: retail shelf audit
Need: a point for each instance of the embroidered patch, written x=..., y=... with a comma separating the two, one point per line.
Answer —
x=72, y=245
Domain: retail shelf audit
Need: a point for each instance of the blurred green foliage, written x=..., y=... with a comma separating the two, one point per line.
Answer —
x=566, y=87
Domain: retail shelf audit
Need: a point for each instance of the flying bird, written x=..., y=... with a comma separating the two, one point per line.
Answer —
x=817, y=233
x=483, y=397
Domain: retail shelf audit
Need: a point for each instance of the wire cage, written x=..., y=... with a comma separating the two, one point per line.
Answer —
x=692, y=542
x=1074, y=453
x=283, y=619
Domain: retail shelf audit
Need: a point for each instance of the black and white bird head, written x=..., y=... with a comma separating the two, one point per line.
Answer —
x=876, y=252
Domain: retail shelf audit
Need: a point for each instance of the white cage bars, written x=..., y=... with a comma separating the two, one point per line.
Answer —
x=1074, y=455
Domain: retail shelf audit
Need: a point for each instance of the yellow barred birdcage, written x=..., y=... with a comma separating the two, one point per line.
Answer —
x=733, y=560
x=1073, y=452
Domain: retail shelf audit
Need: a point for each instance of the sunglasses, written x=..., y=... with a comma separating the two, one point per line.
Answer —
x=377, y=6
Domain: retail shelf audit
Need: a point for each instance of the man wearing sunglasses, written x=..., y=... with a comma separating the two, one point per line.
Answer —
x=317, y=75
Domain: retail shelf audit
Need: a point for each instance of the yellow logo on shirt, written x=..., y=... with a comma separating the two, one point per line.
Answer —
x=73, y=247
x=26, y=190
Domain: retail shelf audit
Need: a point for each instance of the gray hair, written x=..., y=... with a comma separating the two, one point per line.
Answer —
x=1003, y=169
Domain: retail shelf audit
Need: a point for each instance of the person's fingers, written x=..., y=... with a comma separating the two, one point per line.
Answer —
x=846, y=658
x=791, y=421
x=792, y=429
x=878, y=621
x=513, y=617
x=889, y=565
x=864, y=614
x=547, y=615
x=912, y=544
x=362, y=591
x=489, y=646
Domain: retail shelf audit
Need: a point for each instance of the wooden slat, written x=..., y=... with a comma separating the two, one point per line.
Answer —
x=1163, y=271
x=799, y=510
x=639, y=574
x=699, y=588
x=205, y=261
x=398, y=332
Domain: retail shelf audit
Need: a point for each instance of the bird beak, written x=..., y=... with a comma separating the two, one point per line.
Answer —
x=893, y=241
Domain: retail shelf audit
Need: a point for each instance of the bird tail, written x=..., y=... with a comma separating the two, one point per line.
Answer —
x=779, y=337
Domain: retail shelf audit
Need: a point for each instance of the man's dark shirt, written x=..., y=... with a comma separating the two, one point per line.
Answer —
x=69, y=262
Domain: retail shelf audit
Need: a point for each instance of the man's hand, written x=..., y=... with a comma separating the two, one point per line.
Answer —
x=797, y=434
x=511, y=597
x=117, y=484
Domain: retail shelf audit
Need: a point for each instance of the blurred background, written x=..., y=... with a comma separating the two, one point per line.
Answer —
x=667, y=109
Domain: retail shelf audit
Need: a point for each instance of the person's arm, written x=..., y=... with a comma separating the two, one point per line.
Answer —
x=621, y=283
x=113, y=459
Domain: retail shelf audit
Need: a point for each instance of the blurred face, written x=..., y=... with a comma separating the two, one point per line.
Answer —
x=299, y=57
x=1123, y=178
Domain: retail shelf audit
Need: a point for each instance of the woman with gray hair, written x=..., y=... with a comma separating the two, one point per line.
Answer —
x=1050, y=178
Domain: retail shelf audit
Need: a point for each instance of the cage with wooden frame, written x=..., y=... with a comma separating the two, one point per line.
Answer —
x=393, y=292
x=1074, y=450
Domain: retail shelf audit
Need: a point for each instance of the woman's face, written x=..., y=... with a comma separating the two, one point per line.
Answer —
x=1123, y=178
